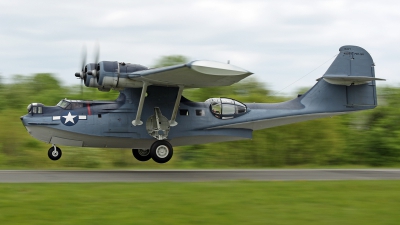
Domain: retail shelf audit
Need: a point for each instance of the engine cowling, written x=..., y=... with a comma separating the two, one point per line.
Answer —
x=113, y=74
x=90, y=79
x=108, y=72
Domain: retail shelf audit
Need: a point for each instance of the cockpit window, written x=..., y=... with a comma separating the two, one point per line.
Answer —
x=75, y=105
x=226, y=108
x=70, y=104
x=63, y=104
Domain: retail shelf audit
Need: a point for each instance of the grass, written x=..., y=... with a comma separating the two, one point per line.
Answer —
x=238, y=202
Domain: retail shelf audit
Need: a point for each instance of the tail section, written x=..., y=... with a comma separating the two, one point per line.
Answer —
x=352, y=61
x=347, y=85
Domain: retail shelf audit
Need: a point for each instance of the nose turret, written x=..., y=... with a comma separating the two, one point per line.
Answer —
x=35, y=108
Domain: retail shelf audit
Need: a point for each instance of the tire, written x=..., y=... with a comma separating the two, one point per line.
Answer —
x=161, y=151
x=54, y=154
x=141, y=154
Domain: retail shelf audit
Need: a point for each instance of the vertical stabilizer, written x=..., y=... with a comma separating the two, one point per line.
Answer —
x=347, y=85
x=352, y=61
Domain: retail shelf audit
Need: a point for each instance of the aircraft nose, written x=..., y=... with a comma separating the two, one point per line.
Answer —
x=24, y=120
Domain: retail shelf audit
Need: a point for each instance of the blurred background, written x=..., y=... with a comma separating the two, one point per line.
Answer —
x=369, y=138
x=287, y=45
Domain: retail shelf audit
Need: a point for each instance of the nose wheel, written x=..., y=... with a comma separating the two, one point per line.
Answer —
x=54, y=153
x=161, y=151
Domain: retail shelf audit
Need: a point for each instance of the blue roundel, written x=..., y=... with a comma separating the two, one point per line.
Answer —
x=69, y=118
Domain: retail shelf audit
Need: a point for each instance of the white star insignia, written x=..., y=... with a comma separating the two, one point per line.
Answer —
x=69, y=118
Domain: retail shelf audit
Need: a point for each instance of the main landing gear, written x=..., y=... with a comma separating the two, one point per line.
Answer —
x=160, y=151
x=141, y=154
x=54, y=153
x=158, y=127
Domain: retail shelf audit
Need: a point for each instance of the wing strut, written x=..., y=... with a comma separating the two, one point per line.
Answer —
x=137, y=121
x=172, y=122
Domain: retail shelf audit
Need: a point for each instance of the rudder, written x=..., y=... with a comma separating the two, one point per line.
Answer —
x=352, y=61
x=354, y=68
x=347, y=85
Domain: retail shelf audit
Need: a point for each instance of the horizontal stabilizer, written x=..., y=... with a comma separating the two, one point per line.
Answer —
x=348, y=80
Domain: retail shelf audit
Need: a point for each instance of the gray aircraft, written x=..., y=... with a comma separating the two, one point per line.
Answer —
x=151, y=115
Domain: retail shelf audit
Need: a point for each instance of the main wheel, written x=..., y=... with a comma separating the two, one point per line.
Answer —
x=54, y=153
x=141, y=154
x=161, y=151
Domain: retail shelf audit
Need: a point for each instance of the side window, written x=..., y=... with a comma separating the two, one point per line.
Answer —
x=200, y=112
x=216, y=109
x=184, y=112
x=39, y=110
x=76, y=105
x=215, y=104
x=228, y=109
x=69, y=106
x=240, y=108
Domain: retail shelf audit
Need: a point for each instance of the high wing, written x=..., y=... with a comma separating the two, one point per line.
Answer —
x=195, y=74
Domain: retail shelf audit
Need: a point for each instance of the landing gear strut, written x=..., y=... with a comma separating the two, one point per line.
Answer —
x=54, y=153
x=161, y=151
x=141, y=154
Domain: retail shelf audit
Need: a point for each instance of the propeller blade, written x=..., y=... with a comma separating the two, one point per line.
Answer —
x=96, y=52
x=82, y=74
x=82, y=88
x=83, y=58
x=96, y=59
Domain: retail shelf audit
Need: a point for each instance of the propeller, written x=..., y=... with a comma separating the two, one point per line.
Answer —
x=94, y=72
x=83, y=64
x=84, y=73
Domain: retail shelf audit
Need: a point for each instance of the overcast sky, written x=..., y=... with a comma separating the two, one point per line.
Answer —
x=279, y=41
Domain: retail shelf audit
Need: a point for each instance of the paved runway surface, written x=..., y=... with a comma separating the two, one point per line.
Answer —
x=46, y=176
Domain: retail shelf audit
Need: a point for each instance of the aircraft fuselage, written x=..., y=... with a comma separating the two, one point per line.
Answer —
x=109, y=123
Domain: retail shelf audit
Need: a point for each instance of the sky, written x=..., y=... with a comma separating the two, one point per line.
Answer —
x=286, y=44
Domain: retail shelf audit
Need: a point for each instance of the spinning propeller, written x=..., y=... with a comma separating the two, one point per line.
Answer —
x=94, y=72
x=91, y=69
x=82, y=74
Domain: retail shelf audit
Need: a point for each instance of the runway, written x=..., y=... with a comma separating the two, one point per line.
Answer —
x=48, y=176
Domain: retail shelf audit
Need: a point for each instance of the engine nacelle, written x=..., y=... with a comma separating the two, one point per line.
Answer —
x=108, y=71
x=91, y=81
x=112, y=74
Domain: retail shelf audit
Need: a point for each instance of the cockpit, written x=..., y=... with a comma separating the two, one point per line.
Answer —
x=226, y=108
x=70, y=104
